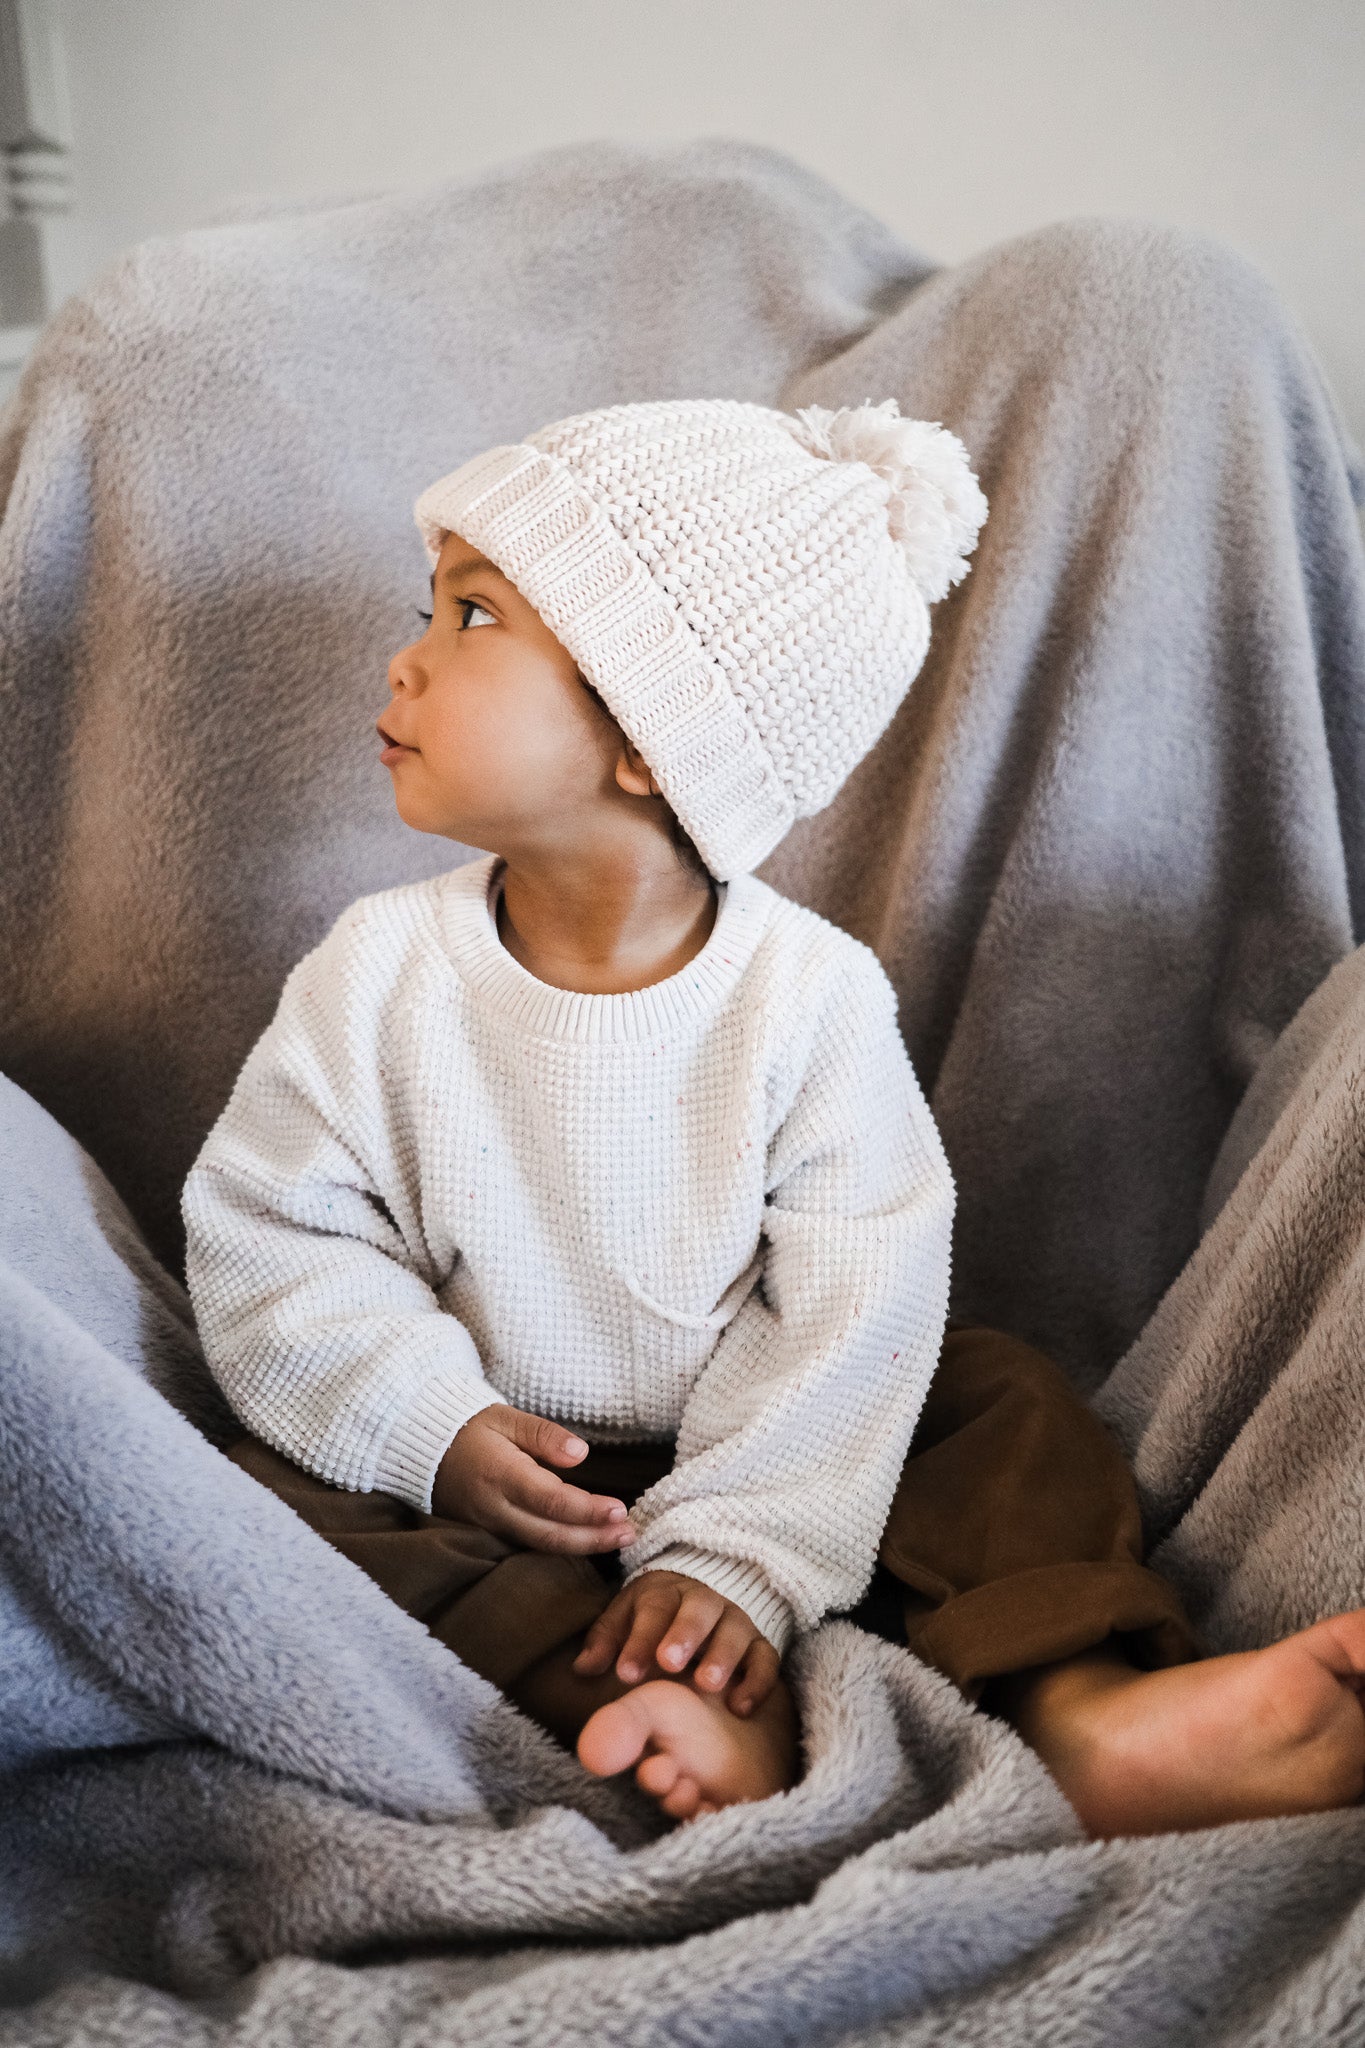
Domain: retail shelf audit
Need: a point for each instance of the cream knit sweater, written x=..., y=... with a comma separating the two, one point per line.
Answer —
x=717, y=1208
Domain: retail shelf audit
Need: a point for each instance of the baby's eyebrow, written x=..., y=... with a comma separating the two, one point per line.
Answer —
x=471, y=567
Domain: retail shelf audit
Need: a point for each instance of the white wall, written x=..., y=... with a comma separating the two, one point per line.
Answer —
x=958, y=121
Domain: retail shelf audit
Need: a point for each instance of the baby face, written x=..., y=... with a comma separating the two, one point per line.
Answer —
x=500, y=744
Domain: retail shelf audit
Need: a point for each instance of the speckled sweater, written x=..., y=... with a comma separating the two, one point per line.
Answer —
x=716, y=1210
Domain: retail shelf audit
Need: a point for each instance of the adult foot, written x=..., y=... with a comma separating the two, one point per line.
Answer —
x=1241, y=1737
x=690, y=1752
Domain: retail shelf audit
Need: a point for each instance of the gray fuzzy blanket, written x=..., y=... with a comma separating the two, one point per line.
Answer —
x=1111, y=845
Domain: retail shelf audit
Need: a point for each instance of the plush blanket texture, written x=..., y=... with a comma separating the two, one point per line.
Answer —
x=1112, y=843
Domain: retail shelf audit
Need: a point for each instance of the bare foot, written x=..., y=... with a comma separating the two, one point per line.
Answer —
x=692, y=1754
x=1242, y=1737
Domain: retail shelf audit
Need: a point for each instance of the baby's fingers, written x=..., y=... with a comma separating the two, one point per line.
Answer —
x=656, y=1603
x=729, y=1640
x=605, y=1638
x=537, y=1492
x=543, y=1439
x=698, y=1615
x=758, y=1672
x=561, y=1539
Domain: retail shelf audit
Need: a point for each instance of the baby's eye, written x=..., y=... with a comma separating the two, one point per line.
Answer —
x=470, y=604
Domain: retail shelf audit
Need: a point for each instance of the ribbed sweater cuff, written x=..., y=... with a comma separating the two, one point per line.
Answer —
x=423, y=1433
x=734, y=1579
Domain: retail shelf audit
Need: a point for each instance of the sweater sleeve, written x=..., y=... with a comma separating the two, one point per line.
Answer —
x=304, y=1258
x=793, y=1436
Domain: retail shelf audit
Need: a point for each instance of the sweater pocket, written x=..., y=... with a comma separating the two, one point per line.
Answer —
x=725, y=1310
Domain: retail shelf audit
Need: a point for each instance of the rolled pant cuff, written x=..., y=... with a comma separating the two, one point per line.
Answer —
x=1049, y=1612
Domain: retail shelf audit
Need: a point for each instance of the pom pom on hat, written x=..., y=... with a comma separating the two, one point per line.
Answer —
x=935, y=506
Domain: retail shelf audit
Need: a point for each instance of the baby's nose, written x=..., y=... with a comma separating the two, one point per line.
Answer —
x=403, y=669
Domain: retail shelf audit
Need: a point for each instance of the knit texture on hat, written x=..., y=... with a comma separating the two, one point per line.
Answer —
x=747, y=589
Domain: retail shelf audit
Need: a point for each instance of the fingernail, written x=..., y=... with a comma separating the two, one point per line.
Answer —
x=616, y=1512
x=628, y=1671
x=627, y=1540
x=711, y=1675
x=574, y=1445
x=673, y=1657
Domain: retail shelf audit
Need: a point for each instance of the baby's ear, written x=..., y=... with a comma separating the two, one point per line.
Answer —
x=632, y=771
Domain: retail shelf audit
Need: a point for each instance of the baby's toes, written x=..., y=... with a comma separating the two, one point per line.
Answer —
x=684, y=1800
x=658, y=1775
x=615, y=1737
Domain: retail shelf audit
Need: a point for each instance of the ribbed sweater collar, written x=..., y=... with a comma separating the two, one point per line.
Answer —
x=469, y=936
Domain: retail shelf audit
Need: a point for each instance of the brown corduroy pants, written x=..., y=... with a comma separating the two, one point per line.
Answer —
x=1014, y=1537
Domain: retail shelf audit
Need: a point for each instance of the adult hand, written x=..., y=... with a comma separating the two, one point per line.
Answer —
x=495, y=1475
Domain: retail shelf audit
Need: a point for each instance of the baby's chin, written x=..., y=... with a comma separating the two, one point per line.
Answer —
x=441, y=820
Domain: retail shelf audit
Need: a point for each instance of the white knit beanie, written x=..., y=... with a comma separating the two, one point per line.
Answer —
x=747, y=590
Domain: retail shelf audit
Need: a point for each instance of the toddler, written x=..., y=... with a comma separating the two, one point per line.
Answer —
x=598, y=1156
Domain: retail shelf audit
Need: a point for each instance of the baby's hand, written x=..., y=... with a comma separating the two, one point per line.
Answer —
x=494, y=1474
x=671, y=1618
